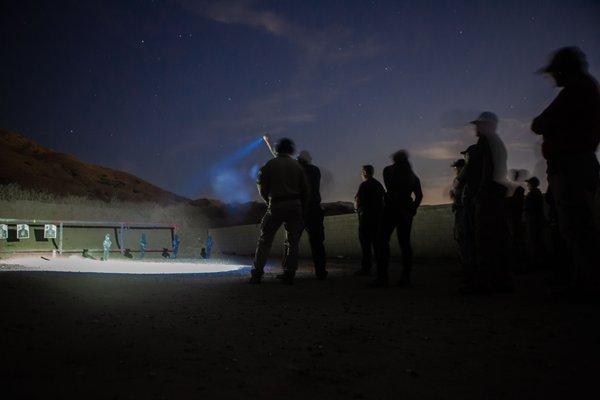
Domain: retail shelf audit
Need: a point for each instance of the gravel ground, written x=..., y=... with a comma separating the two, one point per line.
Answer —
x=109, y=336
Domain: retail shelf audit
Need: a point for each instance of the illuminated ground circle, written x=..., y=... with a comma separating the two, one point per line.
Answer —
x=117, y=266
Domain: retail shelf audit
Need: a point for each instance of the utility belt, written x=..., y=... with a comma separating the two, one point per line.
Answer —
x=290, y=197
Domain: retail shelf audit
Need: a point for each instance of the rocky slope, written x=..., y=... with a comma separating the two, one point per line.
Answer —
x=33, y=166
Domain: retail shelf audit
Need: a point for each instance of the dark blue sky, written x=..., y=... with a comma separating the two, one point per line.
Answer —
x=168, y=90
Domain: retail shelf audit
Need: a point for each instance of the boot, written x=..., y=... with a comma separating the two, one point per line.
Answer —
x=255, y=278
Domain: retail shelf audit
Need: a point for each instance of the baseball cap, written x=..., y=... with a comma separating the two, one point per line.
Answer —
x=486, y=116
x=566, y=59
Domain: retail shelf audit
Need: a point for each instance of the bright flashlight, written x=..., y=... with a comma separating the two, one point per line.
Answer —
x=267, y=139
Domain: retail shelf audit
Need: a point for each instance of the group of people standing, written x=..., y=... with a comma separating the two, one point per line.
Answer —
x=495, y=221
x=488, y=208
x=291, y=188
x=381, y=211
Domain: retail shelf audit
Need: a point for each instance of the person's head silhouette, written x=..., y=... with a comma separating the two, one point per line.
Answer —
x=565, y=63
x=486, y=123
x=285, y=146
x=367, y=171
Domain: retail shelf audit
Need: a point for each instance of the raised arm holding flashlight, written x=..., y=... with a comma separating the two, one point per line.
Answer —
x=267, y=138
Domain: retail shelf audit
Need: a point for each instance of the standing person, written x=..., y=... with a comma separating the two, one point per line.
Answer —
x=456, y=195
x=313, y=215
x=487, y=188
x=535, y=221
x=570, y=128
x=368, y=202
x=400, y=208
x=516, y=229
x=559, y=259
x=282, y=185
x=468, y=182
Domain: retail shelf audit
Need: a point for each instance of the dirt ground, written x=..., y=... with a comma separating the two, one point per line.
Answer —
x=70, y=335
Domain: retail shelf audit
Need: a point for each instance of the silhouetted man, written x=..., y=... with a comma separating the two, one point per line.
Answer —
x=282, y=185
x=485, y=171
x=570, y=127
x=535, y=221
x=458, y=209
x=313, y=214
x=400, y=208
x=466, y=182
x=368, y=202
x=515, y=219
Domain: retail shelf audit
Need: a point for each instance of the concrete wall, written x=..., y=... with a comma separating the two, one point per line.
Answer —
x=432, y=236
x=191, y=224
x=432, y=229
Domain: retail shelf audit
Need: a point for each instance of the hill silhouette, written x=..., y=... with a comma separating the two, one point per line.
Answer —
x=30, y=165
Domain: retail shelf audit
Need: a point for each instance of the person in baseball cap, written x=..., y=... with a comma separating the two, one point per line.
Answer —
x=570, y=128
x=484, y=200
x=566, y=60
x=533, y=181
x=456, y=195
x=535, y=220
x=469, y=150
x=458, y=163
x=486, y=127
x=313, y=214
x=486, y=117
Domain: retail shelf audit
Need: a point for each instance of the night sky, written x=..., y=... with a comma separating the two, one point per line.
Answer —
x=174, y=91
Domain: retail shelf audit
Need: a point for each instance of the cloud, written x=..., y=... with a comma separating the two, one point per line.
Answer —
x=241, y=12
x=301, y=99
x=326, y=44
x=457, y=134
x=442, y=150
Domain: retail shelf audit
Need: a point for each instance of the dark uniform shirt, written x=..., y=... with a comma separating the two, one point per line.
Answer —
x=479, y=172
x=370, y=197
x=313, y=177
x=516, y=203
x=456, y=192
x=401, y=183
x=282, y=178
x=571, y=123
x=534, y=204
